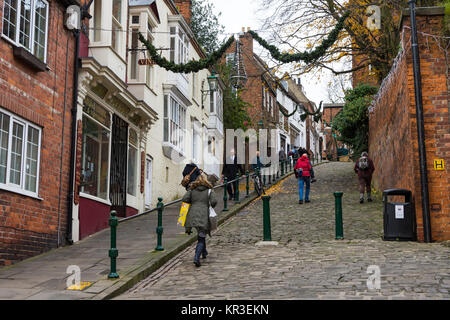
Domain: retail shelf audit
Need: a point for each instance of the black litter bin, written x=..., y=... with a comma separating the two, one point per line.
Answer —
x=399, y=217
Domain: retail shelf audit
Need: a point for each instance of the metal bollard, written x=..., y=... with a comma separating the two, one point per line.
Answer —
x=338, y=213
x=159, y=228
x=266, y=218
x=247, y=187
x=225, y=194
x=236, y=191
x=113, y=252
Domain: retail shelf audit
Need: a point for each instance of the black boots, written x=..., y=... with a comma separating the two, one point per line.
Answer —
x=200, y=250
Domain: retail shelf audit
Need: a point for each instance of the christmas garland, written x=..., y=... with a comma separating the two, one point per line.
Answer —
x=307, y=57
x=316, y=115
x=191, y=66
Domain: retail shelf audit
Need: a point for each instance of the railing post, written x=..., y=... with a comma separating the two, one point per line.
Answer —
x=159, y=228
x=247, y=187
x=278, y=169
x=338, y=213
x=266, y=218
x=236, y=194
x=113, y=252
x=270, y=174
x=225, y=194
x=282, y=167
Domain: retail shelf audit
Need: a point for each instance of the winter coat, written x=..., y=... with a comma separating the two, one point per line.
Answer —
x=367, y=173
x=230, y=170
x=198, y=215
x=304, y=164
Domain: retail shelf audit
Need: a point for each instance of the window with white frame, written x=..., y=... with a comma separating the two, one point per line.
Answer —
x=116, y=33
x=132, y=162
x=20, y=145
x=174, y=123
x=25, y=22
x=179, y=45
x=97, y=17
x=134, y=56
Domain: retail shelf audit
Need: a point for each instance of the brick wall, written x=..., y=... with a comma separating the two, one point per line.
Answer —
x=393, y=128
x=29, y=226
x=185, y=9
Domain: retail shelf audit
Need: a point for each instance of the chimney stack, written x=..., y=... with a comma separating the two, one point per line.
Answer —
x=185, y=9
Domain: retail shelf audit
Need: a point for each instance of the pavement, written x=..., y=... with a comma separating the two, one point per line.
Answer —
x=307, y=263
x=45, y=277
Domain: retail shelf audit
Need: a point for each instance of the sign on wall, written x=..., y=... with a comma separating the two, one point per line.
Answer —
x=145, y=62
x=439, y=164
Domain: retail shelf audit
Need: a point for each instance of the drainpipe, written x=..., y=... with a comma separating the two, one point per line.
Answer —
x=420, y=125
x=73, y=137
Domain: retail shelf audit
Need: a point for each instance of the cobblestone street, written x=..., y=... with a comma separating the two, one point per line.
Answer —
x=308, y=263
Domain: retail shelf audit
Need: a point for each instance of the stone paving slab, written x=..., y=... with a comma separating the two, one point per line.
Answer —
x=308, y=262
x=45, y=277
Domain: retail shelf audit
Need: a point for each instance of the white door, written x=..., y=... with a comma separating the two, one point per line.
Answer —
x=148, y=182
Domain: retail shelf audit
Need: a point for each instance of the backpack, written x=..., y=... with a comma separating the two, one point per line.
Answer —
x=298, y=172
x=363, y=163
x=187, y=178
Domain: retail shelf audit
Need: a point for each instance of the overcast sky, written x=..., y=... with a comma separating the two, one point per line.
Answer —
x=242, y=13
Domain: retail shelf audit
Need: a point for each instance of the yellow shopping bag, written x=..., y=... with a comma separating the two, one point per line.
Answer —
x=183, y=213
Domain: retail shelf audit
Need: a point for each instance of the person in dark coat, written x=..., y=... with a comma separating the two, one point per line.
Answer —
x=303, y=163
x=364, y=167
x=230, y=170
x=199, y=199
x=188, y=169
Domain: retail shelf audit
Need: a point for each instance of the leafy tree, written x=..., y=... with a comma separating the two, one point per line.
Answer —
x=352, y=122
x=298, y=24
x=234, y=108
x=205, y=25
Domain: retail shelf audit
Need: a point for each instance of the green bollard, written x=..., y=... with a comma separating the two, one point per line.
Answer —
x=159, y=229
x=338, y=213
x=113, y=252
x=247, y=187
x=266, y=218
x=236, y=195
x=225, y=194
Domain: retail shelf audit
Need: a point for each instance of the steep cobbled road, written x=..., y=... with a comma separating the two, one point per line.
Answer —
x=308, y=263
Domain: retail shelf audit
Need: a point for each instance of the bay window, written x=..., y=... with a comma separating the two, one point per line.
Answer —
x=116, y=35
x=25, y=23
x=174, y=123
x=20, y=144
x=179, y=45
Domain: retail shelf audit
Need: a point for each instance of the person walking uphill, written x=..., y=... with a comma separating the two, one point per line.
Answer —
x=364, y=168
x=230, y=170
x=304, y=177
x=200, y=196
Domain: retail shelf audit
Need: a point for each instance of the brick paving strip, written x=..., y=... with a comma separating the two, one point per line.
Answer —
x=44, y=276
x=308, y=263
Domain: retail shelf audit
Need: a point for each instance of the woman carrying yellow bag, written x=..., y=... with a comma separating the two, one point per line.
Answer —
x=200, y=196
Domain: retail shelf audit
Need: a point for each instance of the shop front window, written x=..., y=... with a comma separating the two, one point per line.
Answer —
x=132, y=162
x=95, y=158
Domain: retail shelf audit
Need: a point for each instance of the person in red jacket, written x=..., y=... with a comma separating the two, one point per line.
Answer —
x=305, y=178
x=364, y=168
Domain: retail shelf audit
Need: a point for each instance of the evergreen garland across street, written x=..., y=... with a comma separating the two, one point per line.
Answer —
x=191, y=66
x=307, y=57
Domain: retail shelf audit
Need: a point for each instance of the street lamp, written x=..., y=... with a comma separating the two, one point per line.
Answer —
x=213, y=82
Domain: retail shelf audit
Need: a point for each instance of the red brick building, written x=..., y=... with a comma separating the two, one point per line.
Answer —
x=260, y=89
x=36, y=80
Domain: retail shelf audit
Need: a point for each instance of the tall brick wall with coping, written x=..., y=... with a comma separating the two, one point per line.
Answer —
x=393, y=129
x=29, y=226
